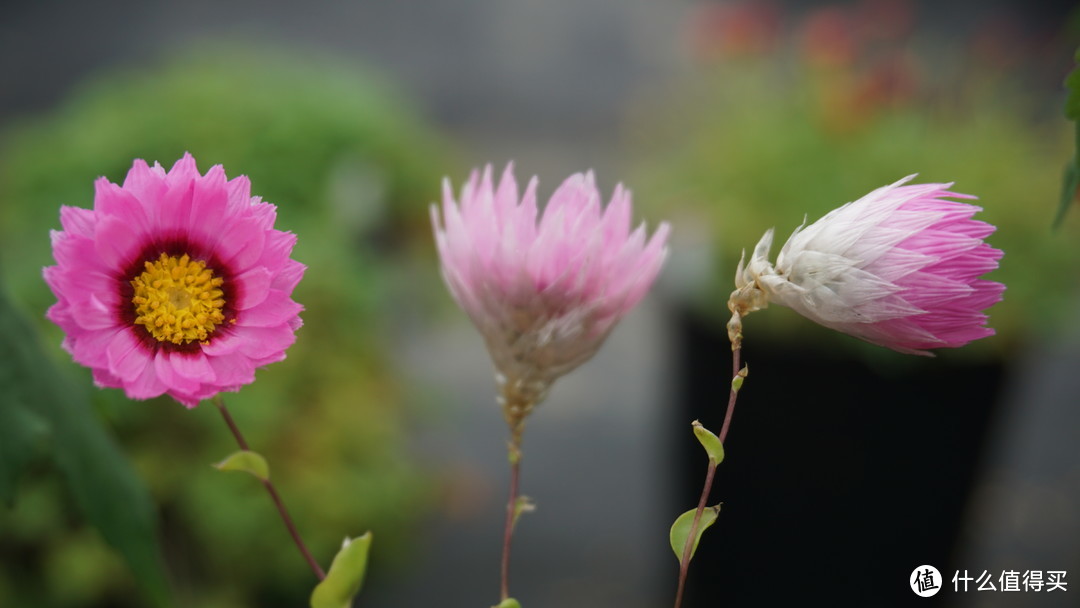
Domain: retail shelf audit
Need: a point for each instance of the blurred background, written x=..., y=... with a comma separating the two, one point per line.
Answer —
x=848, y=465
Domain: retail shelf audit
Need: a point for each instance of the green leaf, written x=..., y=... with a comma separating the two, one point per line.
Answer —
x=1072, y=84
x=509, y=603
x=346, y=575
x=737, y=381
x=710, y=442
x=1069, y=183
x=680, y=530
x=22, y=435
x=522, y=505
x=1071, y=179
x=246, y=461
x=38, y=396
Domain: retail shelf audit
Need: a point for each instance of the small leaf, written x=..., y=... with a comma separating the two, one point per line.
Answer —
x=346, y=575
x=522, y=505
x=737, y=381
x=710, y=442
x=509, y=603
x=680, y=530
x=246, y=461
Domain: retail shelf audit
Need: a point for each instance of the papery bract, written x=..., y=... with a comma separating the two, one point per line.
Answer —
x=899, y=267
x=544, y=295
x=174, y=283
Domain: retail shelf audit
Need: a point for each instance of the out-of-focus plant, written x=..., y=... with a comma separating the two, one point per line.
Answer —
x=43, y=412
x=783, y=126
x=1071, y=181
x=350, y=168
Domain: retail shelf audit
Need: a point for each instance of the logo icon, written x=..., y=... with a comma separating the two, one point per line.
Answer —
x=925, y=581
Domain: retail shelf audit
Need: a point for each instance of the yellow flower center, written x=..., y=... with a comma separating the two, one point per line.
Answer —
x=178, y=300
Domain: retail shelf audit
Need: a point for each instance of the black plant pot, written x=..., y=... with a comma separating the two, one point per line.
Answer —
x=840, y=477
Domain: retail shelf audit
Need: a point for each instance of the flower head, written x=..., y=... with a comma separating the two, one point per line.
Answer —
x=899, y=267
x=544, y=296
x=174, y=283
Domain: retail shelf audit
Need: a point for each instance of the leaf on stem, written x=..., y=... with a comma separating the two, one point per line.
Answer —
x=246, y=461
x=736, y=382
x=522, y=505
x=710, y=442
x=680, y=530
x=509, y=603
x=346, y=575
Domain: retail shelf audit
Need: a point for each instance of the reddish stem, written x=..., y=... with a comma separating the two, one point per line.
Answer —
x=508, y=532
x=511, y=507
x=684, y=563
x=220, y=403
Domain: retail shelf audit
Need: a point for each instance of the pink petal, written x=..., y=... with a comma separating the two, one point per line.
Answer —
x=168, y=376
x=126, y=356
x=193, y=365
x=224, y=342
x=210, y=195
x=112, y=200
x=146, y=385
x=277, y=309
x=240, y=243
x=264, y=342
x=232, y=370
x=146, y=185
x=289, y=277
x=78, y=221
x=252, y=288
x=92, y=314
x=116, y=243
x=87, y=348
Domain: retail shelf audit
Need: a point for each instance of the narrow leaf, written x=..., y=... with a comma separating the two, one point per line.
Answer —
x=1072, y=84
x=680, y=530
x=1071, y=179
x=246, y=461
x=346, y=575
x=98, y=475
x=710, y=442
x=23, y=434
x=1069, y=184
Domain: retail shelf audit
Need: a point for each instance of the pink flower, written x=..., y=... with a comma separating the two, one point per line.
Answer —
x=899, y=267
x=174, y=283
x=544, y=296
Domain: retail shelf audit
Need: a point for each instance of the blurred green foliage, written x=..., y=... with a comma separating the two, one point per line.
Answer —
x=780, y=125
x=351, y=167
x=1071, y=181
x=43, y=411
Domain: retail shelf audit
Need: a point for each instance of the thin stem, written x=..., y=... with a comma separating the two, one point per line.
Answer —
x=220, y=403
x=736, y=354
x=684, y=563
x=511, y=507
